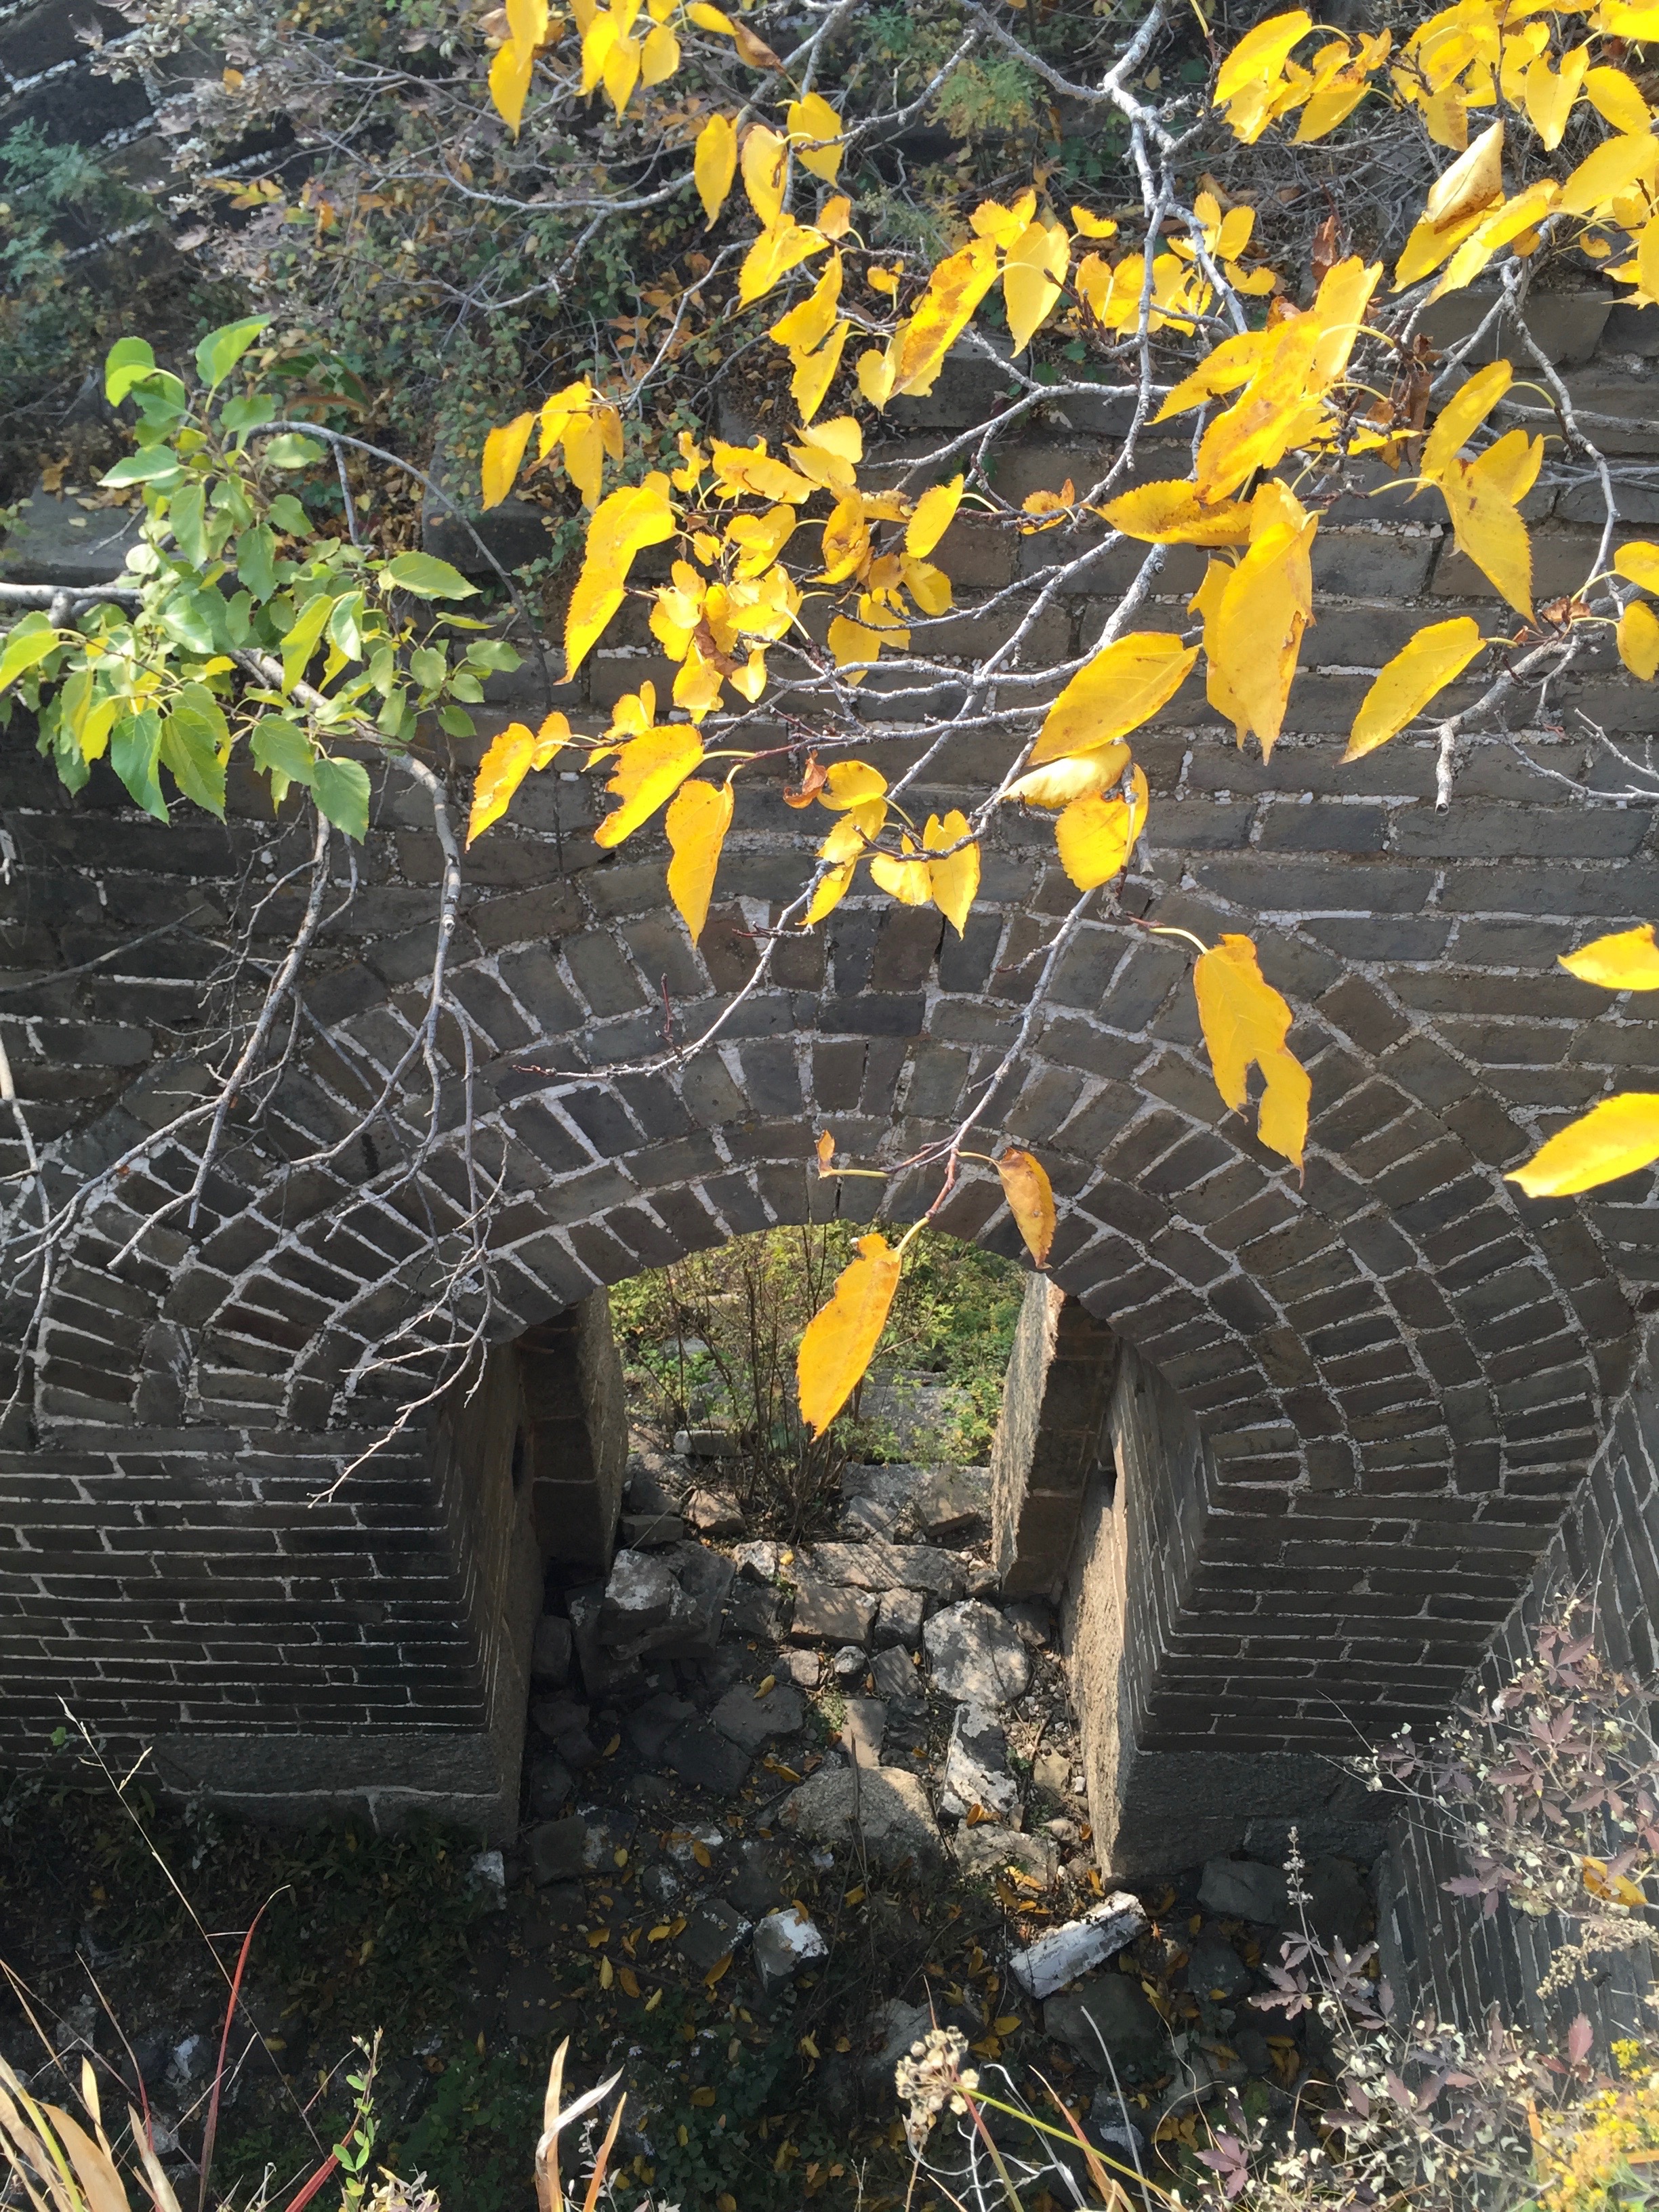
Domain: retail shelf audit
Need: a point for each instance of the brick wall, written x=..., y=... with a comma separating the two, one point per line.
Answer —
x=1399, y=1369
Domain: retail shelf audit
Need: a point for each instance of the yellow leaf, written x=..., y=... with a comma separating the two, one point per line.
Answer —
x=1472, y=185
x=512, y=754
x=632, y=518
x=944, y=312
x=851, y=783
x=1549, y=96
x=1425, y=664
x=783, y=245
x=1173, y=515
x=935, y=512
x=649, y=769
x=1227, y=365
x=1260, y=54
x=1639, y=561
x=1626, y=962
x=621, y=72
x=1647, y=257
x=715, y=164
x=629, y=1982
x=1095, y=834
x=1462, y=416
x=806, y=325
x=526, y=24
x=812, y=120
x=765, y=153
x=509, y=83
x=835, y=217
x=1615, y=1138
x=660, y=60
x=1489, y=529
x=1245, y=1020
x=768, y=1683
x=607, y=1973
x=696, y=824
x=952, y=884
x=1614, y=96
x=842, y=1338
x=905, y=879
x=831, y=890
x=1254, y=635
x=1606, y=175
x=1033, y=270
x=716, y=1972
x=1279, y=408
x=1030, y=1199
x=710, y=18
x=503, y=451
x=1123, y=686
x=1638, y=640
x=1092, y=226
x=1073, y=777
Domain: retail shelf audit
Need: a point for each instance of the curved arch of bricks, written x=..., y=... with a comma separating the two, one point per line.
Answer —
x=1397, y=1371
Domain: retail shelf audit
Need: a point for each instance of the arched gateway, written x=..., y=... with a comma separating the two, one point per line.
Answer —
x=1296, y=1450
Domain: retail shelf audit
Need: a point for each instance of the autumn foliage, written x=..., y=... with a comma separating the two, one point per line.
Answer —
x=805, y=568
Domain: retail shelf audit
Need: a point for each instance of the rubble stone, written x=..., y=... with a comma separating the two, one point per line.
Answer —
x=549, y=1784
x=1064, y=1953
x=899, y=1617
x=706, y=1759
x=639, y=1596
x=985, y=1849
x=1215, y=1970
x=557, y=1848
x=863, y=1730
x=549, y=1653
x=1112, y=2009
x=976, y=1766
x=650, y=1725
x=894, y=2027
x=877, y=1565
x=827, y=1614
x=752, y=1723
x=884, y=1805
x=1052, y=1770
x=896, y=1679
x=975, y=1656
x=712, y=1932
x=952, y=1501
x=850, y=1663
x=651, y=1532
x=711, y=1513
x=784, y=1943
x=1244, y=1889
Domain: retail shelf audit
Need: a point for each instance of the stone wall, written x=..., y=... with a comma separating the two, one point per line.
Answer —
x=1397, y=1369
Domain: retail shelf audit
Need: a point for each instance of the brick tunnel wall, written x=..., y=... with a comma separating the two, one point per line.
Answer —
x=1400, y=1369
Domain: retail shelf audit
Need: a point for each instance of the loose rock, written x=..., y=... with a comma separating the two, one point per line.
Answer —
x=556, y=1849
x=549, y=1654
x=952, y=1501
x=884, y=1805
x=894, y=2027
x=752, y=1723
x=863, y=1729
x=882, y=1566
x=985, y=1849
x=826, y=1613
x=895, y=1678
x=1215, y=1970
x=1064, y=1952
x=712, y=1932
x=850, y=1663
x=711, y=1513
x=1052, y=1770
x=1244, y=1889
x=551, y=1784
x=785, y=1943
x=1112, y=2010
x=639, y=1596
x=706, y=1759
x=682, y=1846
x=976, y=1766
x=975, y=1656
x=651, y=1532
x=650, y=1725
x=899, y=1617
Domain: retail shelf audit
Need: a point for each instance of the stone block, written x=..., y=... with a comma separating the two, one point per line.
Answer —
x=827, y=1612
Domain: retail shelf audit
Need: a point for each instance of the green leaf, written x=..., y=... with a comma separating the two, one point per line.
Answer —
x=190, y=748
x=428, y=578
x=301, y=640
x=156, y=465
x=239, y=618
x=341, y=789
x=127, y=362
x=286, y=512
x=256, y=556
x=187, y=512
x=456, y=723
x=428, y=665
x=343, y=625
x=192, y=619
x=238, y=416
x=283, y=748
x=133, y=755
x=221, y=349
x=30, y=641
x=288, y=450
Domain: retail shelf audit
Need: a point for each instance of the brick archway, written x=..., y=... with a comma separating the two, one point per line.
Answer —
x=1399, y=1369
